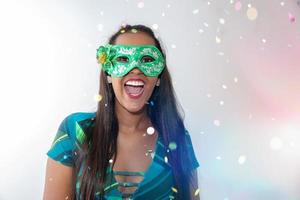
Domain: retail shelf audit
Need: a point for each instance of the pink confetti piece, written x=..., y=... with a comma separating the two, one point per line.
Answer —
x=292, y=18
x=238, y=6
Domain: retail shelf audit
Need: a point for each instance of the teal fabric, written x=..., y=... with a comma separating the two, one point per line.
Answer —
x=157, y=182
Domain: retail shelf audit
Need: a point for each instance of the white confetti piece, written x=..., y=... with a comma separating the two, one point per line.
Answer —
x=276, y=143
x=155, y=26
x=150, y=130
x=140, y=4
x=196, y=11
x=100, y=27
x=222, y=21
x=242, y=159
x=217, y=122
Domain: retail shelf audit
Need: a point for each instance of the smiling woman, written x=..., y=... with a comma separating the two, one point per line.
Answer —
x=135, y=146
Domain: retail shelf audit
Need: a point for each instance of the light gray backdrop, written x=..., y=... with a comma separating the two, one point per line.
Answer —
x=235, y=66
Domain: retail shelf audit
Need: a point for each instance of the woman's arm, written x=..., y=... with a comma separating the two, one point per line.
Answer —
x=58, y=181
x=194, y=186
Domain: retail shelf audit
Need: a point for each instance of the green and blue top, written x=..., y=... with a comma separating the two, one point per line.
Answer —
x=158, y=179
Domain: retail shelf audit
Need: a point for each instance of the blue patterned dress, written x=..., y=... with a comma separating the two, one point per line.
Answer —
x=157, y=180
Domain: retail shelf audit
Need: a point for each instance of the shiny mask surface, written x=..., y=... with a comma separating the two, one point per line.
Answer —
x=118, y=60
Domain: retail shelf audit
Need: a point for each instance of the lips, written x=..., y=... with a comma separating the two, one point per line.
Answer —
x=134, y=88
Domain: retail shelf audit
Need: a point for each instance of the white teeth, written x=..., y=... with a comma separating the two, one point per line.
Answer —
x=135, y=83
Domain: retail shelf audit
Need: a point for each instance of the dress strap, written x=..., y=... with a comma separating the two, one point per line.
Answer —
x=127, y=173
x=128, y=184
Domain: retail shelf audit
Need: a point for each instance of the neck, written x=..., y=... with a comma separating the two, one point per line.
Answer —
x=131, y=122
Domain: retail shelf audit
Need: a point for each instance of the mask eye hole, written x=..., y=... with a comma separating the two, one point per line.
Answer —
x=122, y=59
x=146, y=59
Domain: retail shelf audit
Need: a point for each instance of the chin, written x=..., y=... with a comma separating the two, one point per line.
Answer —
x=135, y=109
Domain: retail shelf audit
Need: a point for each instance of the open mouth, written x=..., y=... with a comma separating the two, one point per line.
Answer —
x=134, y=88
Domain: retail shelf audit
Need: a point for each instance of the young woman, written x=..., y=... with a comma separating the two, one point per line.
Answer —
x=135, y=146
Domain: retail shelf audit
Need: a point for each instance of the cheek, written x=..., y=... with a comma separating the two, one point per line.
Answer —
x=151, y=85
x=117, y=87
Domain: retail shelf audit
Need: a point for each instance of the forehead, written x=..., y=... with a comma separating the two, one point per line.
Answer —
x=138, y=38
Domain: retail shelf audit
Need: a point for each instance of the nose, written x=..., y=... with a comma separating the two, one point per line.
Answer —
x=136, y=71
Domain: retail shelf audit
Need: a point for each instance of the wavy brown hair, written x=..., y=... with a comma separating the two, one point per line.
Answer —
x=101, y=140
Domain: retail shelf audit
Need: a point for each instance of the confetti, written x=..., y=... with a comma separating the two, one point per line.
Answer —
x=218, y=40
x=291, y=18
x=163, y=14
x=155, y=26
x=100, y=27
x=238, y=6
x=242, y=159
x=264, y=40
x=174, y=189
x=200, y=31
x=152, y=103
x=208, y=95
x=195, y=11
x=110, y=161
x=101, y=13
x=134, y=30
x=221, y=103
x=235, y=79
x=221, y=53
x=252, y=13
x=197, y=192
x=97, y=97
x=205, y=24
x=172, y=146
x=150, y=130
x=65, y=156
x=216, y=122
x=250, y=116
x=282, y=3
x=218, y=158
x=222, y=21
x=173, y=46
x=166, y=159
x=224, y=87
x=276, y=143
x=140, y=4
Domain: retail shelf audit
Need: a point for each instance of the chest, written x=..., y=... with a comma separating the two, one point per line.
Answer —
x=133, y=155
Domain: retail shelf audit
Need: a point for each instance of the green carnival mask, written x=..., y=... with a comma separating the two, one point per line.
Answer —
x=118, y=60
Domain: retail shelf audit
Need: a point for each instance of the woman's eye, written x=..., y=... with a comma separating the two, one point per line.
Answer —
x=122, y=59
x=146, y=59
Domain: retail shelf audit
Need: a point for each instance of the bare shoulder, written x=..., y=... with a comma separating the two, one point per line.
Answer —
x=58, y=181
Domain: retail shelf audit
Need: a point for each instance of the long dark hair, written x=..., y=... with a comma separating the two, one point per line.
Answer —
x=101, y=144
